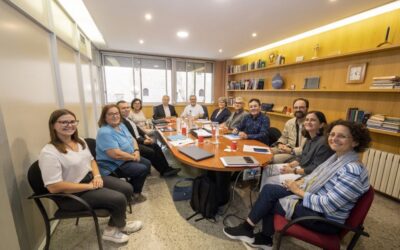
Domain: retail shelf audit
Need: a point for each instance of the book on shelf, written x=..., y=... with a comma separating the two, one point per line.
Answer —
x=384, y=123
x=356, y=115
x=386, y=78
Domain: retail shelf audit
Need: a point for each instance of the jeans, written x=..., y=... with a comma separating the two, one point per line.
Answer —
x=136, y=172
x=268, y=204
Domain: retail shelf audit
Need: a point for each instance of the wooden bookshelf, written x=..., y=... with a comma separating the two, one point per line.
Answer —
x=334, y=96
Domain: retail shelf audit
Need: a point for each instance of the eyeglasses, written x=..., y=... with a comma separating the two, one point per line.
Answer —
x=339, y=136
x=238, y=102
x=66, y=123
x=113, y=114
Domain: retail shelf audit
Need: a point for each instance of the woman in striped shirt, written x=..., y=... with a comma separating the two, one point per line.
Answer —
x=330, y=191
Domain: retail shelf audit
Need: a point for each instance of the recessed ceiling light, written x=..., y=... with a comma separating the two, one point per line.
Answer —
x=182, y=34
x=220, y=50
x=141, y=41
x=148, y=16
x=254, y=34
x=332, y=1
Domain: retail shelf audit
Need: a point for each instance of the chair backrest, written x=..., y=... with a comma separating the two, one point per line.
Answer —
x=205, y=116
x=359, y=211
x=274, y=134
x=92, y=146
x=35, y=179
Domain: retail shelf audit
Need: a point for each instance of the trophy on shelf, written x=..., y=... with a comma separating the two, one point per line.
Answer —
x=316, y=50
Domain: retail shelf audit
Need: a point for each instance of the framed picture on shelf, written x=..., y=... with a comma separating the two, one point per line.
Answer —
x=356, y=73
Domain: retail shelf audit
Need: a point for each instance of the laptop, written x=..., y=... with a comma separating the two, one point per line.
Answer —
x=239, y=161
x=195, y=153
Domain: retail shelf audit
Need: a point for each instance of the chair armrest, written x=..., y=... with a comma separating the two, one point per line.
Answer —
x=358, y=230
x=70, y=196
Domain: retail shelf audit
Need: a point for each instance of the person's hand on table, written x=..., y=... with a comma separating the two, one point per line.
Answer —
x=242, y=135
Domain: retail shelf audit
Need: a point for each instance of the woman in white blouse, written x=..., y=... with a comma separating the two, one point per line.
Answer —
x=67, y=166
x=137, y=116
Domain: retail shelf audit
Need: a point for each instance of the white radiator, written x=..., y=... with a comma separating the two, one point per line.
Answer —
x=384, y=171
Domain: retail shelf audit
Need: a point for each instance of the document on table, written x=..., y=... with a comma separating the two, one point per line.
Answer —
x=256, y=149
x=232, y=137
x=183, y=142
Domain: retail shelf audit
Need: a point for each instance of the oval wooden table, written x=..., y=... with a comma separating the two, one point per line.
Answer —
x=216, y=170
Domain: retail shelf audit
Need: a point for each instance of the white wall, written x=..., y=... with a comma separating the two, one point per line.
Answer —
x=33, y=83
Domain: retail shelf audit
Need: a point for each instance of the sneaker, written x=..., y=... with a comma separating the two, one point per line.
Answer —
x=262, y=241
x=171, y=172
x=115, y=235
x=139, y=198
x=239, y=233
x=132, y=226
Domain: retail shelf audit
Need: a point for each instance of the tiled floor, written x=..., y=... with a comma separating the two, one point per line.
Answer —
x=165, y=226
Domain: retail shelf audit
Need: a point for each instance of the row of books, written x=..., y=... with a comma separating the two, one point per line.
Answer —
x=384, y=122
x=231, y=69
x=357, y=115
x=247, y=84
x=385, y=82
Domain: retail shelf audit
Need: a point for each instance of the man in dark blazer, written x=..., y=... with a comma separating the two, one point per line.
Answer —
x=147, y=147
x=164, y=110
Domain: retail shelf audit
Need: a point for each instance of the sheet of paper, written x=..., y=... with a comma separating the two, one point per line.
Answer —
x=232, y=137
x=179, y=143
x=256, y=149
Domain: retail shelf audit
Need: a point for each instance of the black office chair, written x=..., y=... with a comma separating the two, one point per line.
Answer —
x=274, y=134
x=205, y=116
x=92, y=148
x=40, y=192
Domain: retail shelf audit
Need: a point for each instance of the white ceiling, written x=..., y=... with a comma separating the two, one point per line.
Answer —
x=212, y=24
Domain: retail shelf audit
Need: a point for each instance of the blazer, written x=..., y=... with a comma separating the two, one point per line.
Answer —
x=158, y=111
x=142, y=134
x=225, y=114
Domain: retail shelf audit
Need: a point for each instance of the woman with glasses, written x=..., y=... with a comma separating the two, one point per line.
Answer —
x=67, y=166
x=330, y=191
x=118, y=152
x=221, y=114
x=315, y=151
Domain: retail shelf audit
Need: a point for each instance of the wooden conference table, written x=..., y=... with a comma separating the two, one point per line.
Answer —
x=216, y=170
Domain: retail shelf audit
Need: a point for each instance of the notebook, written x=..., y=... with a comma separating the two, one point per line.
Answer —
x=201, y=132
x=195, y=153
x=239, y=161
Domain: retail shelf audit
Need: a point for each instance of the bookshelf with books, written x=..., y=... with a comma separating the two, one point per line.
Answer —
x=334, y=96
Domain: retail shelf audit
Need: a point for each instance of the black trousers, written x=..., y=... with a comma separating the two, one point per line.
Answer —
x=154, y=153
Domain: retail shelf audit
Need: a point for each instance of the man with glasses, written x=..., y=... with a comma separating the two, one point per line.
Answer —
x=164, y=110
x=147, y=146
x=291, y=142
x=236, y=117
x=193, y=109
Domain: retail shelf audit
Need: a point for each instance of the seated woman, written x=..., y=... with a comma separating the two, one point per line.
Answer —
x=118, y=151
x=330, y=191
x=67, y=166
x=137, y=116
x=221, y=114
x=315, y=152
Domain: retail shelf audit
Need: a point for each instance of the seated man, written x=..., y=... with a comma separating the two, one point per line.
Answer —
x=236, y=117
x=164, y=110
x=291, y=142
x=255, y=125
x=147, y=147
x=193, y=109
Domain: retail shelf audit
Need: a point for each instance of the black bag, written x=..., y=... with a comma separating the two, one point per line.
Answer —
x=182, y=189
x=267, y=107
x=204, y=198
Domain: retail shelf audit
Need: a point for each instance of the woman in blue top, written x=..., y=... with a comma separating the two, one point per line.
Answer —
x=118, y=151
x=221, y=114
x=330, y=191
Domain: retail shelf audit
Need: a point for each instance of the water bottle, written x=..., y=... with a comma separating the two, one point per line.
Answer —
x=178, y=125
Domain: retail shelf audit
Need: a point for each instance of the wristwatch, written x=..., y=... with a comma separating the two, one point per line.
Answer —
x=292, y=151
x=136, y=149
x=295, y=171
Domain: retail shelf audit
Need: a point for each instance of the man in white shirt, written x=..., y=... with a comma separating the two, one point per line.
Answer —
x=193, y=109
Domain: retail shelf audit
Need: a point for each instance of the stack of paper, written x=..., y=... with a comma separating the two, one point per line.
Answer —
x=239, y=161
x=256, y=149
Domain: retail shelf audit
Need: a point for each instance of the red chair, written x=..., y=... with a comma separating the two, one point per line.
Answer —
x=327, y=241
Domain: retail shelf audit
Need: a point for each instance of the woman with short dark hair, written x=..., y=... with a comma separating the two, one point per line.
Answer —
x=330, y=191
x=117, y=151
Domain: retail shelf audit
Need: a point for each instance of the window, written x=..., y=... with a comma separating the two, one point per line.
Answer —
x=194, y=78
x=149, y=78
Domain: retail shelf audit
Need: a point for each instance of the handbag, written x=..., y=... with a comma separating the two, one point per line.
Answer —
x=183, y=189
